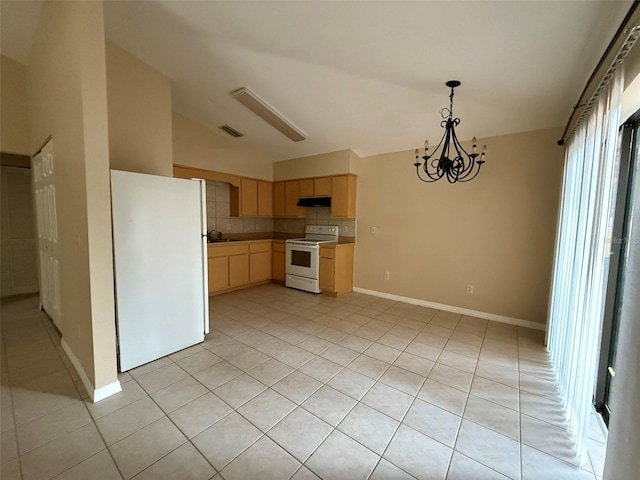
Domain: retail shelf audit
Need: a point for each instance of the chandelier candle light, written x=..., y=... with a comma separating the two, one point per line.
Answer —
x=463, y=166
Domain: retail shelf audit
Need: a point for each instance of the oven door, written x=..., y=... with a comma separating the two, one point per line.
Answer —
x=302, y=260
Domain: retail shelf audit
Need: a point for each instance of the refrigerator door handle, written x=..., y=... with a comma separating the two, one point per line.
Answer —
x=205, y=259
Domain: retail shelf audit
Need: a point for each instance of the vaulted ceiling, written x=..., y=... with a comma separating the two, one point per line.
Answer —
x=362, y=75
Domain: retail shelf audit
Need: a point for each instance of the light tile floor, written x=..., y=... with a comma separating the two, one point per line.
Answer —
x=293, y=385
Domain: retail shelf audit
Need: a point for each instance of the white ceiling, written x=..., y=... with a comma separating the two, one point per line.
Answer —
x=366, y=75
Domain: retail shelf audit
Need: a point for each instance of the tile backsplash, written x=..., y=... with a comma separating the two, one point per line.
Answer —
x=315, y=216
x=219, y=218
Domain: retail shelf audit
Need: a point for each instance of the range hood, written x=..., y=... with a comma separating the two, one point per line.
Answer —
x=314, y=202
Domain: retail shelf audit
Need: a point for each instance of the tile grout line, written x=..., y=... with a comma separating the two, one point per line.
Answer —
x=519, y=403
x=466, y=402
x=402, y=351
x=277, y=319
x=13, y=411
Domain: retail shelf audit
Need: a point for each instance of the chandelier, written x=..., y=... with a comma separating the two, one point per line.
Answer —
x=454, y=162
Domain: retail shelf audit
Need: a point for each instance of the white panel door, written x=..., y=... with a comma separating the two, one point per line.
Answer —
x=19, y=263
x=44, y=180
x=160, y=271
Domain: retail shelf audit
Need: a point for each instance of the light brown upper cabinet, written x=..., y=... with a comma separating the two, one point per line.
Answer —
x=343, y=196
x=248, y=197
x=306, y=187
x=265, y=199
x=322, y=187
x=278, y=199
x=256, y=198
x=315, y=187
x=291, y=197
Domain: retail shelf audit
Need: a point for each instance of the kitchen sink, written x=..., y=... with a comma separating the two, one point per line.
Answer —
x=222, y=240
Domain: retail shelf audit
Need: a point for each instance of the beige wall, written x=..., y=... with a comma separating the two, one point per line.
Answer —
x=496, y=232
x=139, y=102
x=198, y=146
x=67, y=90
x=332, y=163
x=14, y=135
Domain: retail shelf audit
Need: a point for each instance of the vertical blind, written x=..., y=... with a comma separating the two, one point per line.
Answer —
x=580, y=270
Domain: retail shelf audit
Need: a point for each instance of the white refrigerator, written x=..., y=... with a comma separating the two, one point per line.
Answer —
x=160, y=265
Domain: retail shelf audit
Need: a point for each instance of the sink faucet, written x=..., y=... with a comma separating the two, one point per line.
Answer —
x=214, y=235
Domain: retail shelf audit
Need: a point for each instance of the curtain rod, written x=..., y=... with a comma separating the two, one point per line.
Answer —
x=623, y=29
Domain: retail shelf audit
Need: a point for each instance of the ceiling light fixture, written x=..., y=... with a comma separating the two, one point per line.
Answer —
x=267, y=113
x=463, y=166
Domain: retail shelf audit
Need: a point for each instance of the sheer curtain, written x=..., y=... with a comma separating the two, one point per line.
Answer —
x=579, y=279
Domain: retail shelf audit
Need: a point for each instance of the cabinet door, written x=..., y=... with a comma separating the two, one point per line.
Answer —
x=339, y=194
x=248, y=197
x=278, y=199
x=306, y=187
x=278, y=266
x=265, y=199
x=260, y=267
x=238, y=270
x=343, y=196
x=322, y=187
x=327, y=276
x=291, y=196
x=218, y=274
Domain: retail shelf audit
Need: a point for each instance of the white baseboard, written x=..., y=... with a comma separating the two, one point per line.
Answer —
x=449, y=308
x=96, y=394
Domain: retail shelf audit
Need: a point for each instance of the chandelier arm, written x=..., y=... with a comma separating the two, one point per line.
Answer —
x=437, y=147
x=465, y=179
x=458, y=146
x=435, y=174
x=431, y=179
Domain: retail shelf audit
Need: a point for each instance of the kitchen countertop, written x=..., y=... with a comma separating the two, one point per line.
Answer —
x=274, y=238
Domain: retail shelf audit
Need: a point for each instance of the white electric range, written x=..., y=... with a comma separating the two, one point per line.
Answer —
x=303, y=256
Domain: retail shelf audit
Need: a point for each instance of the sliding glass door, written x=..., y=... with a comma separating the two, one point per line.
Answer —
x=618, y=233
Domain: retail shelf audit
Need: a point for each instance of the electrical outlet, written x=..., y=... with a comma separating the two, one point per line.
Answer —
x=285, y=227
x=386, y=275
x=228, y=227
x=469, y=288
x=345, y=229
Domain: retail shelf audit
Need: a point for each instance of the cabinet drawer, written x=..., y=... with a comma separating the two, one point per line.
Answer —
x=226, y=250
x=259, y=247
x=279, y=247
x=327, y=252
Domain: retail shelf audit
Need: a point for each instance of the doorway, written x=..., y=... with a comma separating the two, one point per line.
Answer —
x=18, y=243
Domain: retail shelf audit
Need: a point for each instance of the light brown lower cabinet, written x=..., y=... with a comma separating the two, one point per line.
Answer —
x=218, y=273
x=336, y=269
x=260, y=262
x=278, y=271
x=233, y=266
x=238, y=270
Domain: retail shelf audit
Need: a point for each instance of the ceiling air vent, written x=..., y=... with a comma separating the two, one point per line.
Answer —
x=231, y=131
